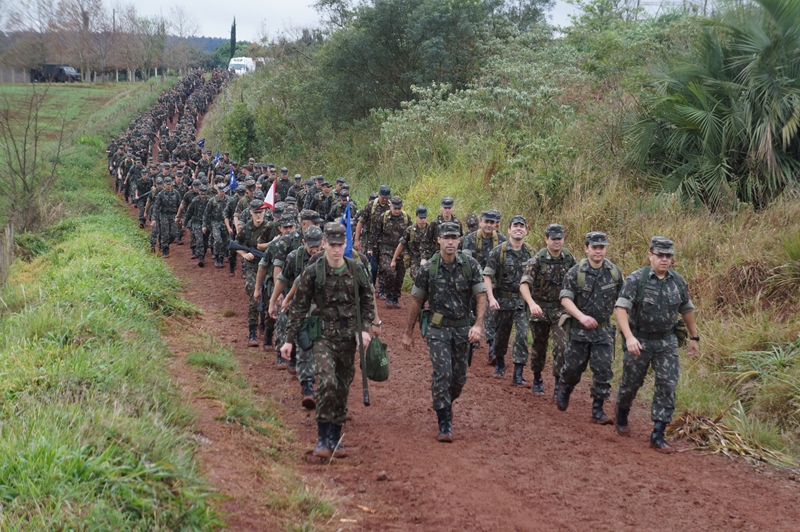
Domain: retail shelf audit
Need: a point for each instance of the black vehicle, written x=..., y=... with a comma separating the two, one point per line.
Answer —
x=54, y=73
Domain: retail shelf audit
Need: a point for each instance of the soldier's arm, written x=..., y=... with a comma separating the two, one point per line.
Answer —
x=488, y=276
x=525, y=285
x=398, y=251
x=260, y=276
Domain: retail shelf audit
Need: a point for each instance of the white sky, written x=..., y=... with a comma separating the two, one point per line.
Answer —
x=276, y=16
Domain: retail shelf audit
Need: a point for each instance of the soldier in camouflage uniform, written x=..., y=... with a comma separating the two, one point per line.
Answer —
x=431, y=245
x=187, y=199
x=194, y=221
x=139, y=188
x=456, y=280
x=291, y=240
x=214, y=224
x=412, y=240
x=370, y=220
x=248, y=237
x=334, y=351
x=314, y=194
x=148, y=211
x=502, y=276
x=472, y=223
x=541, y=289
x=295, y=263
x=479, y=245
x=297, y=190
x=283, y=185
x=165, y=211
x=648, y=323
x=588, y=294
x=392, y=227
x=336, y=212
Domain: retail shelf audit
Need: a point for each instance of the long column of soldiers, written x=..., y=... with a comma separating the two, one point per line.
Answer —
x=467, y=288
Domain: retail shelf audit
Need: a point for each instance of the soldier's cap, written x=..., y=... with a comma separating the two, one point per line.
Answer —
x=291, y=200
x=257, y=205
x=220, y=186
x=150, y=159
x=372, y=196
x=340, y=180
x=326, y=184
x=204, y=180
x=287, y=220
x=313, y=236
x=207, y=152
x=234, y=163
x=160, y=157
x=250, y=182
x=159, y=181
x=201, y=174
x=307, y=215
x=297, y=177
x=270, y=166
x=138, y=159
x=179, y=172
x=449, y=228
x=226, y=153
x=203, y=189
x=596, y=238
x=385, y=191
x=554, y=231
x=344, y=192
x=335, y=233
x=310, y=182
x=662, y=244
x=259, y=194
x=279, y=208
x=251, y=160
x=492, y=215
x=284, y=170
x=518, y=219
x=448, y=201
x=471, y=220
x=168, y=180
x=422, y=211
x=319, y=178
x=196, y=183
x=397, y=202
x=240, y=189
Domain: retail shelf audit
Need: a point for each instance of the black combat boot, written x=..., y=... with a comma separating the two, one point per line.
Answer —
x=500, y=368
x=307, y=389
x=598, y=416
x=538, y=384
x=445, y=433
x=253, y=340
x=292, y=366
x=555, y=389
x=517, y=379
x=334, y=441
x=657, y=438
x=231, y=270
x=261, y=325
x=621, y=423
x=267, y=338
x=281, y=361
x=165, y=253
x=563, y=397
x=381, y=293
x=323, y=450
x=492, y=359
x=201, y=261
x=450, y=420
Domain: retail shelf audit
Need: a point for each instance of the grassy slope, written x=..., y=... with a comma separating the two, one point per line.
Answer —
x=93, y=434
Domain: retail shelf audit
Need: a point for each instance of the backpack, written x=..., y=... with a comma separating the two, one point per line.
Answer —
x=359, y=273
x=479, y=242
x=404, y=214
x=566, y=257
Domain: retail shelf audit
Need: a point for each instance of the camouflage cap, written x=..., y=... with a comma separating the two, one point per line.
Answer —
x=287, y=220
x=596, y=238
x=492, y=215
x=554, y=231
x=449, y=228
x=220, y=186
x=138, y=159
x=310, y=182
x=179, y=172
x=291, y=200
x=422, y=211
x=518, y=219
x=307, y=215
x=313, y=236
x=279, y=208
x=471, y=221
x=251, y=160
x=298, y=177
x=168, y=180
x=284, y=170
x=203, y=189
x=258, y=194
x=240, y=189
x=335, y=233
x=385, y=191
x=196, y=183
x=344, y=192
x=319, y=178
x=257, y=205
x=340, y=180
x=249, y=182
x=448, y=201
x=662, y=244
x=372, y=196
x=397, y=202
x=159, y=181
x=201, y=174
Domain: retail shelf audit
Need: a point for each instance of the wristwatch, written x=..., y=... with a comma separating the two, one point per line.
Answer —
x=695, y=338
x=378, y=324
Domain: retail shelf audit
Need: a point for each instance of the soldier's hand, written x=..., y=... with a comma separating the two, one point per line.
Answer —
x=366, y=338
x=273, y=311
x=357, y=245
x=286, y=351
x=494, y=304
x=375, y=330
x=536, y=310
x=257, y=294
x=249, y=256
x=205, y=230
x=694, y=345
x=137, y=197
x=633, y=346
x=588, y=322
x=153, y=223
x=285, y=305
x=392, y=265
x=422, y=262
x=407, y=341
x=475, y=334
x=369, y=253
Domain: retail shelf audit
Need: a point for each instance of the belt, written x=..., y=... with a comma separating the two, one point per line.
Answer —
x=342, y=323
x=507, y=295
x=463, y=322
x=550, y=304
x=577, y=324
x=651, y=336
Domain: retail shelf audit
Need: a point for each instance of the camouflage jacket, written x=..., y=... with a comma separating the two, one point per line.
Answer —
x=282, y=188
x=166, y=204
x=413, y=238
x=390, y=230
x=335, y=301
x=248, y=236
x=290, y=270
x=544, y=275
x=312, y=199
x=188, y=198
x=141, y=186
x=215, y=210
x=451, y=292
x=595, y=299
x=506, y=276
x=431, y=244
x=337, y=211
x=195, y=212
x=479, y=247
x=286, y=244
x=372, y=216
x=297, y=192
x=663, y=301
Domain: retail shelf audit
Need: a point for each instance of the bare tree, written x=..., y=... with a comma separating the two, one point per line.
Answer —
x=183, y=25
x=78, y=22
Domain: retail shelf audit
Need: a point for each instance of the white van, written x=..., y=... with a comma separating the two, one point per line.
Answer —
x=242, y=65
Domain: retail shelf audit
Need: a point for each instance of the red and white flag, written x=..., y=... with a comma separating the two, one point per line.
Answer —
x=269, y=200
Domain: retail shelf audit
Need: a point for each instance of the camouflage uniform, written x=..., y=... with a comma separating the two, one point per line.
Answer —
x=412, y=240
x=214, y=222
x=248, y=236
x=194, y=221
x=479, y=248
x=290, y=271
x=594, y=347
x=512, y=307
x=372, y=218
x=664, y=300
x=431, y=244
x=390, y=231
x=545, y=279
x=165, y=209
x=143, y=185
x=282, y=188
x=449, y=294
x=148, y=211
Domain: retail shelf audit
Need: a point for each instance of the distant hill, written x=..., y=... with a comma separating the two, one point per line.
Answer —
x=207, y=44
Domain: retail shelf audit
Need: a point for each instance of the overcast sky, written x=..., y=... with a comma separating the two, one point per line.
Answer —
x=276, y=16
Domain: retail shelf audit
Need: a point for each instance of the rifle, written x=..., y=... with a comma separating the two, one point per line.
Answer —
x=145, y=194
x=235, y=246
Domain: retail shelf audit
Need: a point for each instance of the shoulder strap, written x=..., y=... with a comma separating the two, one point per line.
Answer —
x=466, y=268
x=640, y=293
x=374, y=205
x=581, y=281
x=298, y=260
x=433, y=271
x=319, y=267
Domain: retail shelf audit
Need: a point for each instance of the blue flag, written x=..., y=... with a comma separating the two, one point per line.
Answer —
x=202, y=143
x=348, y=248
x=232, y=184
x=216, y=159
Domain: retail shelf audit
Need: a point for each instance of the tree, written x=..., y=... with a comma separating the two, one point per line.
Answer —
x=722, y=124
x=233, y=38
x=183, y=25
x=239, y=133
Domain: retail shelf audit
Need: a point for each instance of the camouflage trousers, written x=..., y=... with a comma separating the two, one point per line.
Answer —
x=448, y=348
x=541, y=329
x=167, y=229
x=281, y=323
x=154, y=236
x=219, y=239
x=334, y=367
x=305, y=364
x=141, y=203
x=392, y=279
x=503, y=321
x=666, y=370
x=199, y=241
x=598, y=357
x=489, y=323
x=414, y=268
x=249, y=288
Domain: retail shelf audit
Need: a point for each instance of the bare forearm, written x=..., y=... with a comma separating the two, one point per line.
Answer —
x=622, y=322
x=413, y=312
x=480, y=308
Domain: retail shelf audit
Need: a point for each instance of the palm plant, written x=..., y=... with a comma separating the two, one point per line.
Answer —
x=722, y=125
